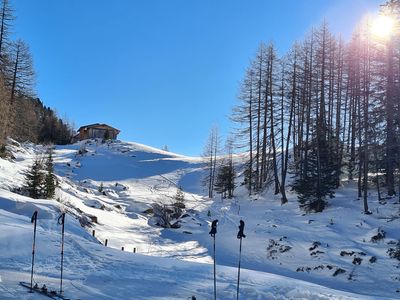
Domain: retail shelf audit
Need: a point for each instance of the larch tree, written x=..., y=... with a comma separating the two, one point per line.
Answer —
x=6, y=23
x=325, y=110
x=210, y=156
x=243, y=116
x=20, y=72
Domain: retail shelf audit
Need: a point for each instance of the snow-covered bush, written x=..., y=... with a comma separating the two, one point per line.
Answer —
x=82, y=150
x=167, y=216
x=395, y=252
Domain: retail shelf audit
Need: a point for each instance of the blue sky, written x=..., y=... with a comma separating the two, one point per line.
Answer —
x=163, y=72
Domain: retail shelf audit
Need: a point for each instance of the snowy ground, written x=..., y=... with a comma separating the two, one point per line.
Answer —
x=286, y=255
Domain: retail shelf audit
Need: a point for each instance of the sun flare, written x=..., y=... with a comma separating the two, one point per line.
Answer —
x=382, y=26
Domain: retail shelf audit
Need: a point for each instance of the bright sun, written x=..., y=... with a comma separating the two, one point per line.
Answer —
x=382, y=26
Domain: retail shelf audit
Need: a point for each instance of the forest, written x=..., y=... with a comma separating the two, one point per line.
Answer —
x=23, y=116
x=326, y=111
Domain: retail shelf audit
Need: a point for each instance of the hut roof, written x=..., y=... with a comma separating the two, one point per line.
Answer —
x=98, y=126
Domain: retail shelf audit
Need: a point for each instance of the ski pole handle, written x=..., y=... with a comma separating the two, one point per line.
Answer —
x=241, y=234
x=213, y=230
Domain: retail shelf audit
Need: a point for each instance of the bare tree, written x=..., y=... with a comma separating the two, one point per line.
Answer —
x=210, y=154
x=6, y=19
x=20, y=71
x=4, y=111
x=243, y=116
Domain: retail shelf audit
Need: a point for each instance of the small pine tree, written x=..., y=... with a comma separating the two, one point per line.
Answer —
x=50, y=179
x=220, y=186
x=179, y=196
x=34, y=180
x=225, y=180
x=230, y=182
x=321, y=176
x=247, y=176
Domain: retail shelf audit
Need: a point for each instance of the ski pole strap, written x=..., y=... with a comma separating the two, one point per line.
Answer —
x=34, y=217
x=61, y=219
x=213, y=230
x=241, y=228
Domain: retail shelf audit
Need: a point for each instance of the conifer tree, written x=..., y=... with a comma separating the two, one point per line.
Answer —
x=225, y=178
x=50, y=179
x=179, y=196
x=320, y=178
x=101, y=188
x=34, y=180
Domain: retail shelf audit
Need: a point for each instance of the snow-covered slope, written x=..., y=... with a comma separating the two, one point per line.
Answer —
x=286, y=255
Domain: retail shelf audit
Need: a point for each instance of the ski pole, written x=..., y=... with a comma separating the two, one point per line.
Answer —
x=215, y=271
x=213, y=233
x=240, y=236
x=34, y=221
x=60, y=221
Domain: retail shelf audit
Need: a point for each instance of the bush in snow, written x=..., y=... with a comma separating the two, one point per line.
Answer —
x=82, y=150
x=166, y=214
x=101, y=188
x=179, y=198
x=379, y=236
x=395, y=252
x=162, y=215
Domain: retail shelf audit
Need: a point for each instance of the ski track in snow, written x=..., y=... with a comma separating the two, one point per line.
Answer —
x=171, y=263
